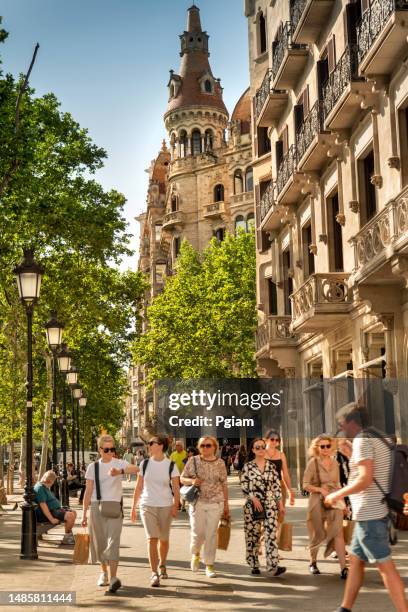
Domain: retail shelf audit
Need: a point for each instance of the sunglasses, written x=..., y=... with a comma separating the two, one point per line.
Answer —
x=206, y=445
x=109, y=450
x=256, y=447
x=274, y=439
x=325, y=446
x=153, y=442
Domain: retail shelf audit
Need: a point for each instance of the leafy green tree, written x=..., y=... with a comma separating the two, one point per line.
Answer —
x=203, y=324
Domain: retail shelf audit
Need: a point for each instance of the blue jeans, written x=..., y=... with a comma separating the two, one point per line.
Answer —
x=371, y=541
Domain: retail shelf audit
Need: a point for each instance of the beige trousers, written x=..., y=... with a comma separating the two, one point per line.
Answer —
x=204, y=519
x=104, y=536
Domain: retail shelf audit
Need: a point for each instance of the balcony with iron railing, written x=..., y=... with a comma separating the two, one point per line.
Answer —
x=308, y=19
x=274, y=333
x=323, y=301
x=288, y=184
x=379, y=241
x=313, y=141
x=343, y=92
x=269, y=214
x=173, y=219
x=288, y=59
x=382, y=36
x=269, y=103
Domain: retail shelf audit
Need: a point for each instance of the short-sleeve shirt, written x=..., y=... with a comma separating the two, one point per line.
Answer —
x=178, y=459
x=156, y=483
x=44, y=495
x=213, y=475
x=111, y=486
x=368, y=505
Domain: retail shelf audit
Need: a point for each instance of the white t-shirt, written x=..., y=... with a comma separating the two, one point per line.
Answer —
x=111, y=486
x=156, y=483
x=368, y=505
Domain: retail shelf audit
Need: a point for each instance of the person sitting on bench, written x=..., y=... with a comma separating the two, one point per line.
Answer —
x=49, y=508
x=74, y=482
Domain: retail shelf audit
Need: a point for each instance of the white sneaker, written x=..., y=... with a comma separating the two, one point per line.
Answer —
x=195, y=563
x=210, y=571
x=155, y=580
x=103, y=579
x=68, y=539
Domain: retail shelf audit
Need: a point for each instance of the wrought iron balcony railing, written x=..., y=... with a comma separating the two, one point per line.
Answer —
x=263, y=92
x=280, y=46
x=311, y=127
x=266, y=201
x=286, y=169
x=373, y=21
x=346, y=70
x=296, y=11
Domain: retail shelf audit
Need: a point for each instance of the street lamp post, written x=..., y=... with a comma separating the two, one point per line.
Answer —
x=72, y=379
x=64, y=361
x=82, y=402
x=54, y=337
x=29, y=275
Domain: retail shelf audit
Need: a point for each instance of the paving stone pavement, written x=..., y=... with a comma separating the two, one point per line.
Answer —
x=233, y=588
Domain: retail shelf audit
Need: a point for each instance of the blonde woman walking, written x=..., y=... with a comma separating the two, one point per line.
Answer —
x=208, y=473
x=324, y=523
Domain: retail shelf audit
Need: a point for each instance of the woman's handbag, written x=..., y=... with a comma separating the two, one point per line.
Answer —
x=258, y=515
x=108, y=509
x=223, y=533
x=190, y=493
x=285, y=537
x=81, y=550
x=348, y=528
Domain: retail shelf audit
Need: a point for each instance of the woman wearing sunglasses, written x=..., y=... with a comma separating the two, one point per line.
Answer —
x=261, y=487
x=278, y=458
x=325, y=524
x=158, y=489
x=208, y=473
x=105, y=530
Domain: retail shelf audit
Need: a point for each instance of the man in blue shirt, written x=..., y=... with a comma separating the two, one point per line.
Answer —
x=49, y=508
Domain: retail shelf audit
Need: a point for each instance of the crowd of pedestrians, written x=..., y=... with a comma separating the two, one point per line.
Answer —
x=346, y=478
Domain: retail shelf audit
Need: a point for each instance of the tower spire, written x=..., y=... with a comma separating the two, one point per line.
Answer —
x=193, y=19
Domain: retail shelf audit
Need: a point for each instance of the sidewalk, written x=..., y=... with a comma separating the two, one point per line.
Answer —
x=233, y=589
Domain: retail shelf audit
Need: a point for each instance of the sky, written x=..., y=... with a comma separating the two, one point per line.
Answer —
x=108, y=63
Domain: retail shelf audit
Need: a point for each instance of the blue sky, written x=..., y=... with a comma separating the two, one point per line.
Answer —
x=108, y=62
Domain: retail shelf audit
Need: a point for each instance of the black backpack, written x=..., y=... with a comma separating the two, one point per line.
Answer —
x=398, y=474
x=171, y=466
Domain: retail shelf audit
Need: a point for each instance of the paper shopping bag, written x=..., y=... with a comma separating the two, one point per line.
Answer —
x=285, y=537
x=81, y=549
x=223, y=534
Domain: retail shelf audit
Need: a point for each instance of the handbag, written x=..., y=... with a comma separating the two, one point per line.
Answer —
x=285, y=537
x=223, y=533
x=108, y=509
x=258, y=515
x=190, y=493
x=81, y=550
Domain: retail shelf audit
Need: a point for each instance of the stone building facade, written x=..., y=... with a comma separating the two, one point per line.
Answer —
x=200, y=184
x=329, y=90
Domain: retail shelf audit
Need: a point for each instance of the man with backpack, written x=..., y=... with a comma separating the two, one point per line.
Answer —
x=373, y=479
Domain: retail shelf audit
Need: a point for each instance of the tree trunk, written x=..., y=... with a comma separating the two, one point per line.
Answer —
x=3, y=497
x=10, y=470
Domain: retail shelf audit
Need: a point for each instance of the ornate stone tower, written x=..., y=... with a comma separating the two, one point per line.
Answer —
x=196, y=120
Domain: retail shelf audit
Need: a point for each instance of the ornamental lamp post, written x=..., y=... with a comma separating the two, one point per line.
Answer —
x=29, y=275
x=72, y=379
x=82, y=403
x=76, y=393
x=64, y=358
x=54, y=330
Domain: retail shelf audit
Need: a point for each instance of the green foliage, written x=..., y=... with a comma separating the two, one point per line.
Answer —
x=203, y=324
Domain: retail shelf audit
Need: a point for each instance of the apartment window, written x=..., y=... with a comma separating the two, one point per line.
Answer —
x=352, y=17
x=157, y=231
x=249, y=179
x=335, y=235
x=250, y=221
x=183, y=143
x=403, y=138
x=220, y=234
x=322, y=72
x=264, y=143
x=262, y=33
x=301, y=109
x=272, y=298
x=287, y=281
x=219, y=193
x=281, y=147
x=196, y=142
x=308, y=256
x=238, y=182
x=368, y=194
x=176, y=246
x=208, y=86
x=240, y=223
x=209, y=140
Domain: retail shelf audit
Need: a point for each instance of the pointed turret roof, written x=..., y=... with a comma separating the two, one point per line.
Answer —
x=195, y=69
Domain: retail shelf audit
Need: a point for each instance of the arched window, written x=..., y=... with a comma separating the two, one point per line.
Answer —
x=262, y=33
x=172, y=91
x=238, y=182
x=183, y=143
x=174, y=203
x=196, y=142
x=208, y=86
x=240, y=223
x=249, y=179
x=219, y=193
x=250, y=221
x=157, y=232
x=176, y=246
x=220, y=234
x=209, y=140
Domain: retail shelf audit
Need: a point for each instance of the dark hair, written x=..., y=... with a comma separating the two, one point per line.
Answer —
x=192, y=449
x=251, y=454
x=355, y=412
x=163, y=440
x=272, y=433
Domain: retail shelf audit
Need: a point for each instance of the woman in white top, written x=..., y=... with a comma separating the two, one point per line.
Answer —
x=158, y=491
x=105, y=531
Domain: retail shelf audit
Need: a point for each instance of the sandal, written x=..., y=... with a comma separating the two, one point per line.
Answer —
x=163, y=572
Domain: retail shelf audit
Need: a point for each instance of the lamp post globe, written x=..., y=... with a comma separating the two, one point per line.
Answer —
x=54, y=330
x=29, y=274
x=64, y=358
x=72, y=376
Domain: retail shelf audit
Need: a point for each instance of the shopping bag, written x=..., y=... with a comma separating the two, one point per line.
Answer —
x=285, y=537
x=348, y=528
x=81, y=549
x=223, y=533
